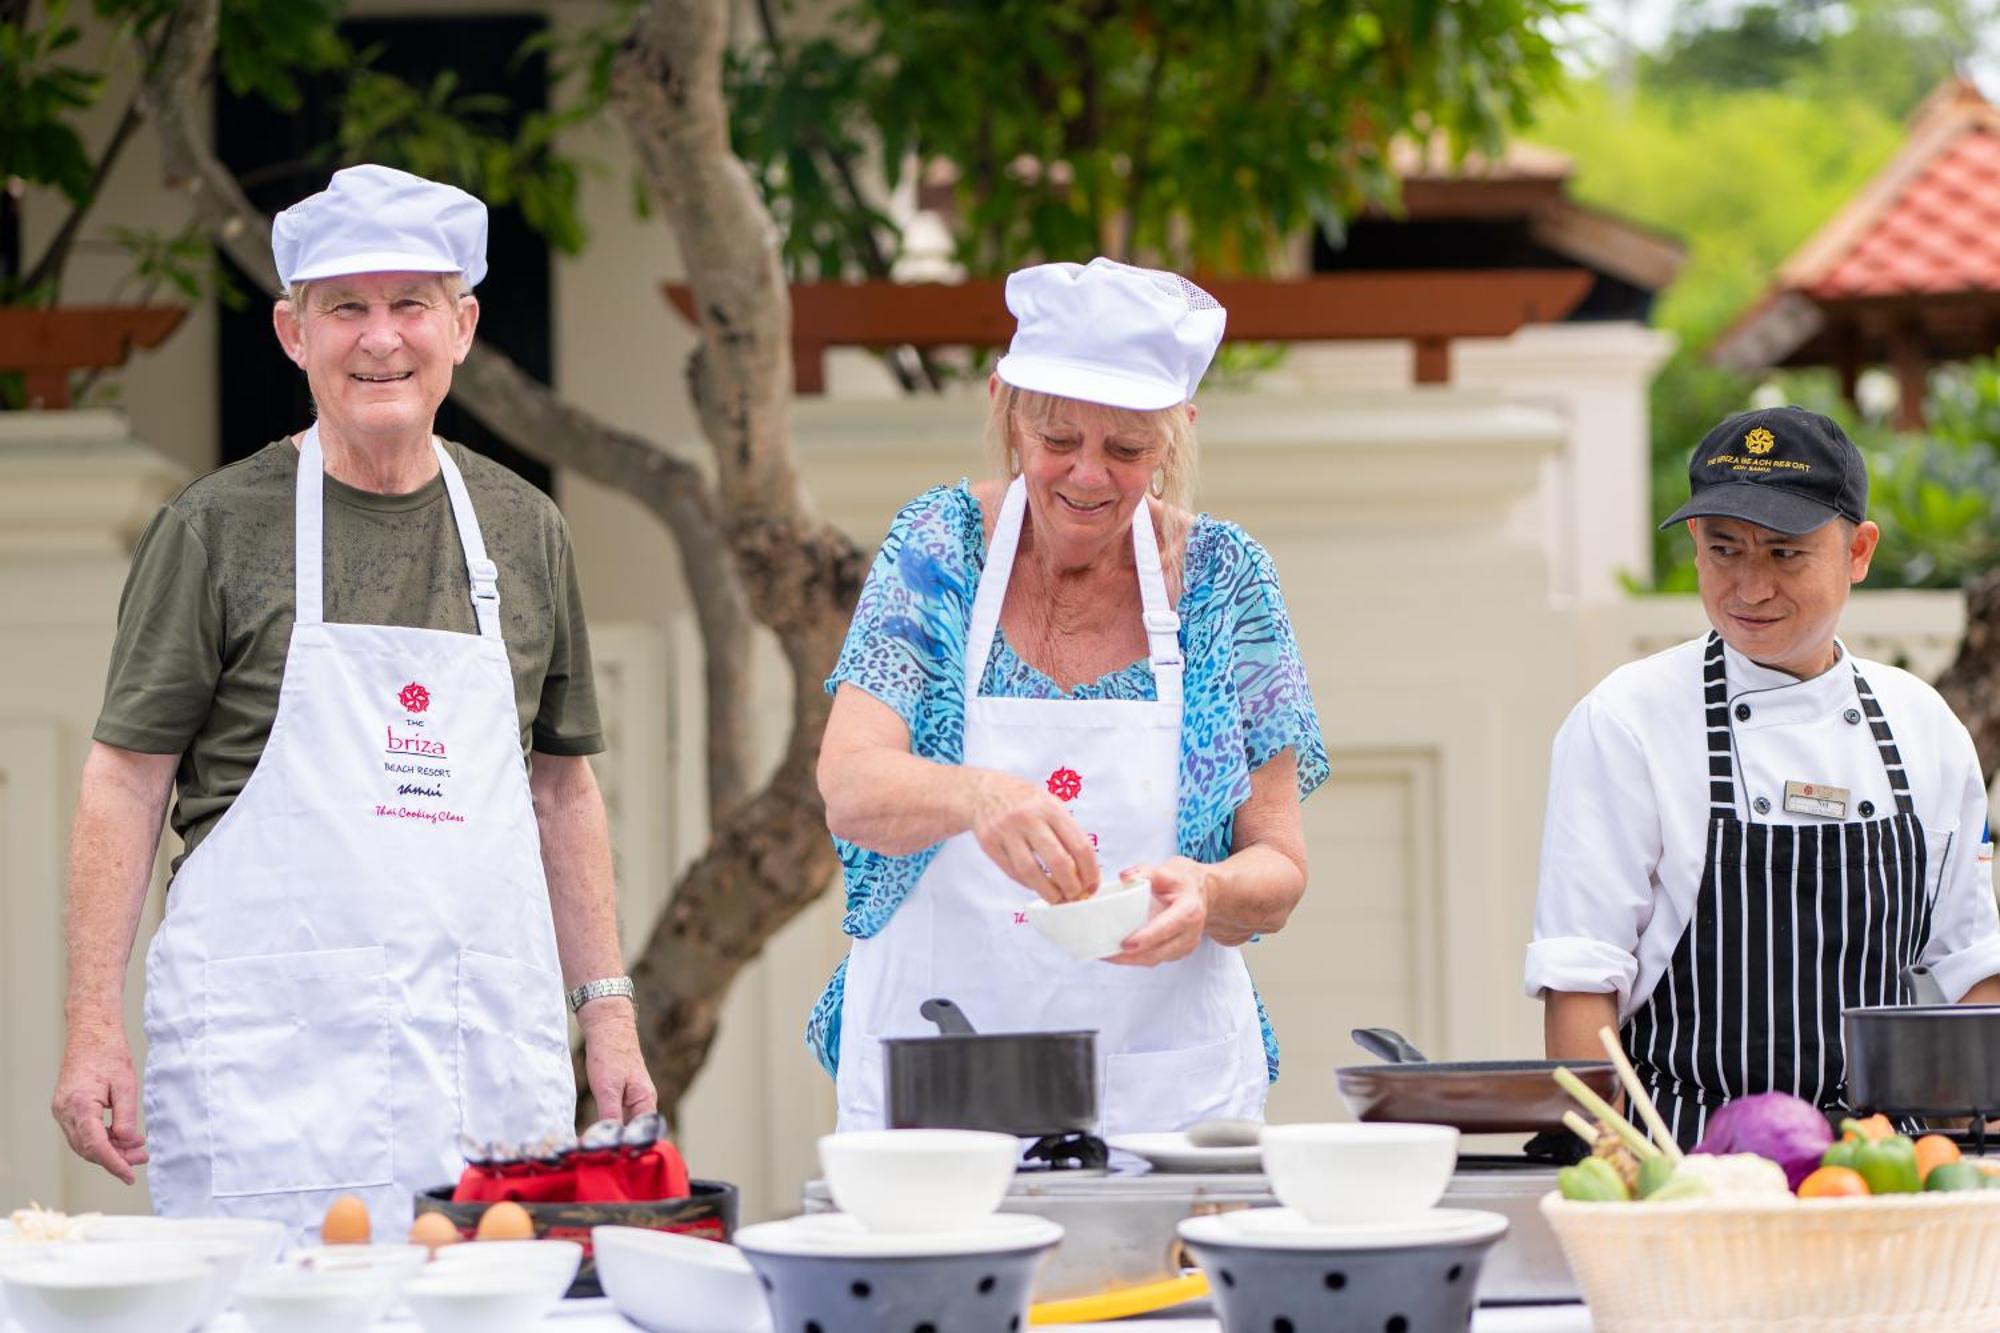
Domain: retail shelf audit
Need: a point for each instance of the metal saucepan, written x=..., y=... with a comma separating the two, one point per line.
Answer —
x=1474, y=1096
x=1927, y=1058
x=1023, y=1083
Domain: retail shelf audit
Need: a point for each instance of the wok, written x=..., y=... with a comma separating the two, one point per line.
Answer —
x=1473, y=1096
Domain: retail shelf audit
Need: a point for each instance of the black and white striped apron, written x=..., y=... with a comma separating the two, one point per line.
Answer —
x=1793, y=922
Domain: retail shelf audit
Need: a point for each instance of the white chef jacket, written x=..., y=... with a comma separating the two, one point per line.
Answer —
x=1627, y=824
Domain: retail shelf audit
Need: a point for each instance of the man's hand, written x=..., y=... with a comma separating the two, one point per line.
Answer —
x=97, y=1077
x=612, y=1059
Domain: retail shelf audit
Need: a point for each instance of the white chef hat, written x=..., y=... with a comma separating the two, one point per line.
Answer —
x=372, y=219
x=1110, y=333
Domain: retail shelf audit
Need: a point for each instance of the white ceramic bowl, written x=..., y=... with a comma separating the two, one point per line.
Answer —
x=298, y=1300
x=16, y=1251
x=398, y=1262
x=918, y=1179
x=553, y=1263
x=73, y=1294
x=225, y=1261
x=473, y=1298
x=1359, y=1173
x=1094, y=927
x=265, y=1238
x=678, y=1284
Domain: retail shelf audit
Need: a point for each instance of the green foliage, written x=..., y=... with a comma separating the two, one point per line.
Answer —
x=39, y=95
x=1742, y=178
x=183, y=262
x=444, y=134
x=1887, y=54
x=1077, y=129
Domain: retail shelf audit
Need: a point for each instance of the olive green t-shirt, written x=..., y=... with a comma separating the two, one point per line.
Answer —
x=206, y=617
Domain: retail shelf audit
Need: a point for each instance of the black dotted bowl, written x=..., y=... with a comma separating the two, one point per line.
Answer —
x=1414, y=1288
x=814, y=1291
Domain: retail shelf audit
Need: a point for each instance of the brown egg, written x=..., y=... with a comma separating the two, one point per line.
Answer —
x=346, y=1222
x=506, y=1220
x=433, y=1230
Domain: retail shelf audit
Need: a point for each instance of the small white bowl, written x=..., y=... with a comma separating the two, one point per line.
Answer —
x=678, y=1284
x=297, y=1300
x=553, y=1263
x=918, y=1179
x=16, y=1251
x=265, y=1238
x=471, y=1298
x=73, y=1294
x=1338, y=1173
x=1094, y=927
x=225, y=1260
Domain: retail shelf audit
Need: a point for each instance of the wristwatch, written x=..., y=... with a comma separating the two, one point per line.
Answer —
x=598, y=990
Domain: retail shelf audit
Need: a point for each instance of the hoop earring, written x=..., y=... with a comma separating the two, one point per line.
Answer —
x=1158, y=485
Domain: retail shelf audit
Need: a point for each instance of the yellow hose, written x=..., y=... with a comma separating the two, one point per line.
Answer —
x=1119, y=1304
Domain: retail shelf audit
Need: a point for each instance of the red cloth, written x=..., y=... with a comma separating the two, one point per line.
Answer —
x=599, y=1177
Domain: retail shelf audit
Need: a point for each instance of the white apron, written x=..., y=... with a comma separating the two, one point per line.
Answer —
x=1176, y=1043
x=358, y=964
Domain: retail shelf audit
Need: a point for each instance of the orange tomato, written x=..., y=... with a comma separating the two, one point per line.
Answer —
x=1833, y=1182
x=1934, y=1150
x=1875, y=1128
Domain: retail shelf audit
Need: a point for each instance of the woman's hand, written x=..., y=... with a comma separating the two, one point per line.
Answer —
x=1031, y=837
x=1180, y=915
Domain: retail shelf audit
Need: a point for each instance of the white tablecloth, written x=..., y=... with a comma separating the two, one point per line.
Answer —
x=597, y=1316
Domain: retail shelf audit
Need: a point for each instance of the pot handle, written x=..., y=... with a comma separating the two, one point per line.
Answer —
x=1387, y=1044
x=1922, y=986
x=950, y=1019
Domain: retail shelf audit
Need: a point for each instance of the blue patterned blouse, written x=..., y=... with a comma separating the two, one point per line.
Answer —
x=1245, y=692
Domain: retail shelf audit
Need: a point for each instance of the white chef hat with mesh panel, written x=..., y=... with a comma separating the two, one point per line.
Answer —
x=1110, y=333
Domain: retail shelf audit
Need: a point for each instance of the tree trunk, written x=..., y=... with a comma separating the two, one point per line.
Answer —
x=1971, y=684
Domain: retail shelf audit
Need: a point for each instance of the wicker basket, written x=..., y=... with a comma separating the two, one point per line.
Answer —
x=1909, y=1263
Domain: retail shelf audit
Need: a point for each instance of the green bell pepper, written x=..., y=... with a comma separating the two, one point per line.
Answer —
x=1889, y=1165
x=1593, y=1180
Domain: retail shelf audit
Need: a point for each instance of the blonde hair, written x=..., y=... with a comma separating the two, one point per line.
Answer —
x=1173, y=482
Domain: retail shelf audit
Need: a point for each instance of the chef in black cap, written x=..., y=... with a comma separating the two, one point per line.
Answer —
x=1755, y=829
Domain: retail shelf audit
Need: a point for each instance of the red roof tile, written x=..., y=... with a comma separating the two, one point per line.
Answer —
x=1939, y=233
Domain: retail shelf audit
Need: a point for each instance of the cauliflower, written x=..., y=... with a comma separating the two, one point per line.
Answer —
x=1742, y=1175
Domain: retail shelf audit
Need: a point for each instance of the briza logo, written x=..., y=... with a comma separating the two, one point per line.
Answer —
x=413, y=744
x=1065, y=784
x=414, y=697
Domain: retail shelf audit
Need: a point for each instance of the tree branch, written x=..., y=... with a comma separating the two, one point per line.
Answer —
x=49, y=268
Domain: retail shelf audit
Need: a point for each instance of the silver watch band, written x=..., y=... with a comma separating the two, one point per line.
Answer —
x=598, y=990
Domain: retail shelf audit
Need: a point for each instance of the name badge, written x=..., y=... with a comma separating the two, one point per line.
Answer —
x=1816, y=798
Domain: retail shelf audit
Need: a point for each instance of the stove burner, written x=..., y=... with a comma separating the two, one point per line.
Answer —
x=1073, y=1151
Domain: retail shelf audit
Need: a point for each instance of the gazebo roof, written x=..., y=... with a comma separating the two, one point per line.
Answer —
x=1911, y=266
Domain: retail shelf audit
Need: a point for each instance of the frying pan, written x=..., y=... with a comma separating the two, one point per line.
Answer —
x=1473, y=1096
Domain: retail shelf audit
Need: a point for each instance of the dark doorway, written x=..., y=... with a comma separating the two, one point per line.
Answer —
x=263, y=395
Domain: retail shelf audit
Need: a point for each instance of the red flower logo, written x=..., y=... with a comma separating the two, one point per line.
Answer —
x=1065, y=784
x=414, y=697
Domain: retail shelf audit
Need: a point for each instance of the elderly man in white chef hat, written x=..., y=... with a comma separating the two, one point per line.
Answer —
x=1059, y=672
x=358, y=661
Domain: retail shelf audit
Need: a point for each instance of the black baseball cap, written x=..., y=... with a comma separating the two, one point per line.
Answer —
x=1782, y=468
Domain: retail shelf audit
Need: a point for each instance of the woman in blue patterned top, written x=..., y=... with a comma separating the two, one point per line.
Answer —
x=1058, y=676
